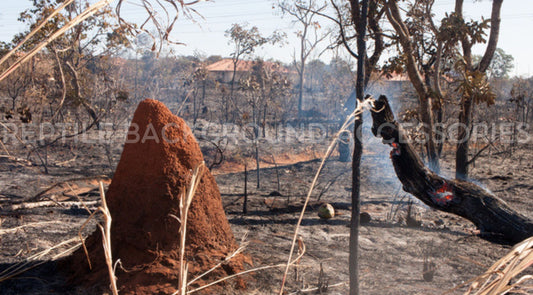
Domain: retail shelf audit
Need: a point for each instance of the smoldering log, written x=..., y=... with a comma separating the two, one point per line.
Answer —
x=495, y=219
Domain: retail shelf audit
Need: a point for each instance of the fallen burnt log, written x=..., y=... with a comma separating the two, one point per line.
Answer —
x=491, y=215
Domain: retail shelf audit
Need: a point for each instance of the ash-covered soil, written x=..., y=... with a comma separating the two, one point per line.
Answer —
x=392, y=254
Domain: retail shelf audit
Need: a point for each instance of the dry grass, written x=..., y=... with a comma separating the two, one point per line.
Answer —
x=185, y=203
x=106, y=241
x=504, y=275
x=303, y=250
x=40, y=258
x=106, y=238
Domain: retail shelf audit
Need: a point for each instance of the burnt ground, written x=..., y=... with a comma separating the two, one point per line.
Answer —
x=391, y=252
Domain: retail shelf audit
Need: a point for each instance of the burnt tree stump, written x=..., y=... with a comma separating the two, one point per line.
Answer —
x=495, y=219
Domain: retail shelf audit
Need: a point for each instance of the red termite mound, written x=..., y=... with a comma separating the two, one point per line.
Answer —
x=155, y=168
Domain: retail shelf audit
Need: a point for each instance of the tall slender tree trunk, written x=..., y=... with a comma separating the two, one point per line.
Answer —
x=463, y=149
x=257, y=163
x=232, y=89
x=358, y=145
x=194, y=107
x=301, y=89
x=232, y=85
x=356, y=206
x=245, y=202
x=263, y=124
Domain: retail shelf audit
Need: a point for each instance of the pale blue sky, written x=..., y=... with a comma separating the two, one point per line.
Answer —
x=207, y=35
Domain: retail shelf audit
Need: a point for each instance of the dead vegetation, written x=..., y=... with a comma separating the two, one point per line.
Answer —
x=269, y=227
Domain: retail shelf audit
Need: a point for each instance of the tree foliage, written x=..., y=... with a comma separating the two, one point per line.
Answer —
x=246, y=41
x=500, y=66
x=82, y=55
x=474, y=85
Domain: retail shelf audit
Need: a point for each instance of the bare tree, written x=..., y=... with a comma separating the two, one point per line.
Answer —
x=263, y=88
x=304, y=13
x=17, y=84
x=199, y=80
x=244, y=42
x=522, y=98
x=361, y=18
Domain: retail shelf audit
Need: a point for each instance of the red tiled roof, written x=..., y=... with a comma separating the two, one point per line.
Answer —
x=226, y=65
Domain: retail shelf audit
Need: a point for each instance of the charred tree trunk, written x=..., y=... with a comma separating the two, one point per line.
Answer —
x=356, y=206
x=491, y=215
x=245, y=202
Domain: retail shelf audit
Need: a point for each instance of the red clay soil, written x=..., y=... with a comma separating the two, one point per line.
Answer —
x=155, y=167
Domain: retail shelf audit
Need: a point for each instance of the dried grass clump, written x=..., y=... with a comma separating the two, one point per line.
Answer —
x=503, y=276
x=106, y=239
x=40, y=258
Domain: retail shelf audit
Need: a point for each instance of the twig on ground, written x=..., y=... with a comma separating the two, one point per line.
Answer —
x=33, y=205
x=84, y=204
x=309, y=290
x=40, y=194
x=35, y=224
x=4, y=148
